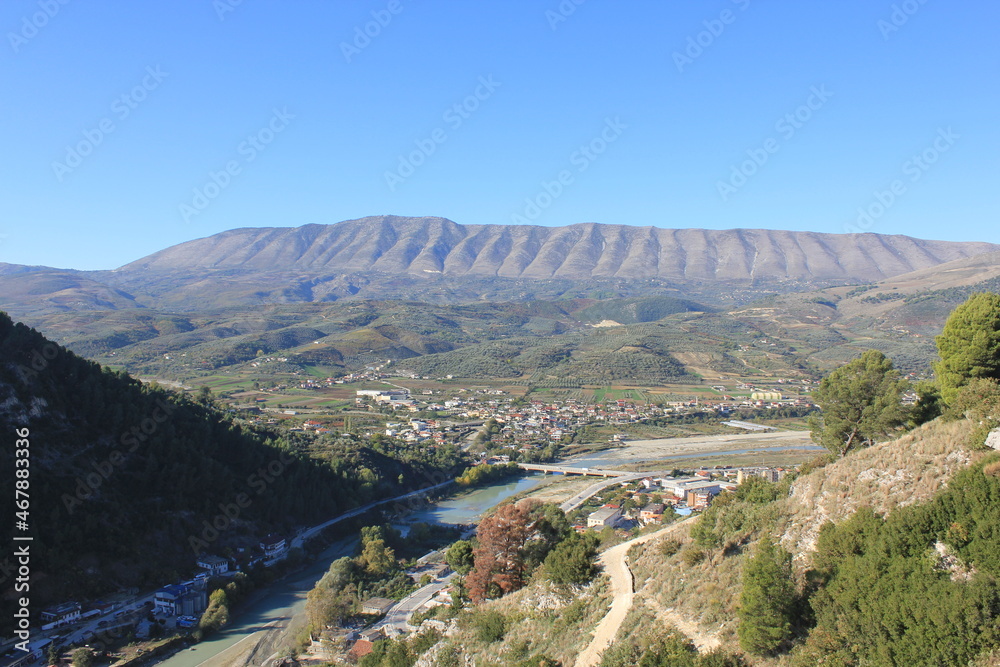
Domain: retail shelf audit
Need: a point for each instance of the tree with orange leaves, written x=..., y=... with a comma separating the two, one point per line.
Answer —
x=499, y=565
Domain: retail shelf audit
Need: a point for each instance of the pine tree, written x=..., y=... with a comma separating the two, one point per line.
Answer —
x=861, y=401
x=969, y=344
x=459, y=556
x=572, y=560
x=766, y=599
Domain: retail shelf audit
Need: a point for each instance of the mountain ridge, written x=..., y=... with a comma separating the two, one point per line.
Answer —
x=434, y=245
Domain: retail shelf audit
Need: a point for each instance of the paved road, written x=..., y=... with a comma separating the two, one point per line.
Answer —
x=582, y=497
x=306, y=534
x=615, y=562
x=570, y=470
x=397, y=616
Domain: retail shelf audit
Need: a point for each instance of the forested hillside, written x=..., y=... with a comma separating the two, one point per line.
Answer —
x=123, y=476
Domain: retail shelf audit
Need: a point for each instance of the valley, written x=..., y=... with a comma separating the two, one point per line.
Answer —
x=402, y=378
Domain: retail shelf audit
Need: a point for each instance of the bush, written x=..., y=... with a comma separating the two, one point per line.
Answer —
x=820, y=461
x=572, y=561
x=670, y=546
x=490, y=626
x=82, y=657
x=692, y=556
x=538, y=661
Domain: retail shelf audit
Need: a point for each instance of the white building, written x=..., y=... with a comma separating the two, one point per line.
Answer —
x=63, y=613
x=273, y=546
x=606, y=516
x=215, y=565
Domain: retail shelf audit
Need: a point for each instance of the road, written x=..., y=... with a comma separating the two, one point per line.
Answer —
x=397, y=616
x=582, y=497
x=569, y=470
x=308, y=533
x=615, y=562
x=74, y=633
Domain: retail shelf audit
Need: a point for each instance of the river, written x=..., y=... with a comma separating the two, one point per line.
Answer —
x=287, y=598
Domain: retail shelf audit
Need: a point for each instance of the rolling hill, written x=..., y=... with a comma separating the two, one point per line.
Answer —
x=123, y=475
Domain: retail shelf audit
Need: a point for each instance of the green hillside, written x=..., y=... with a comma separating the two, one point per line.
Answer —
x=123, y=475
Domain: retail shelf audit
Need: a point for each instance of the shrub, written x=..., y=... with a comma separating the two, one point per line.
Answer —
x=816, y=463
x=82, y=657
x=670, y=546
x=490, y=626
x=692, y=556
x=572, y=561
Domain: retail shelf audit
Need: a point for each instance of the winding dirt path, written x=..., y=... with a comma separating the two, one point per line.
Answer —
x=615, y=562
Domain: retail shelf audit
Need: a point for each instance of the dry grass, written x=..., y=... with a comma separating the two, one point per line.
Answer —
x=541, y=618
x=892, y=474
x=701, y=598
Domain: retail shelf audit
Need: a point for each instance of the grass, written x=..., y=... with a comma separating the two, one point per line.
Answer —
x=703, y=592
x=910, y=469
x=540, y=618
x=700, y=596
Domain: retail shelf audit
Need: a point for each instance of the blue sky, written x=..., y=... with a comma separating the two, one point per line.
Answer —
x=129, y=127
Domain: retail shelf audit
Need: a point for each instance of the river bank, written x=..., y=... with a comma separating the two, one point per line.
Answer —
x=273, y=620
x=266, y=626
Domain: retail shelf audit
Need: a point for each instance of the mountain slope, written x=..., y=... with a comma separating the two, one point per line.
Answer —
x=124, y=475
x=395, y=245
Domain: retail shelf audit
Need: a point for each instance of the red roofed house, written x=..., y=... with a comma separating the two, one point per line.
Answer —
x=361, y=648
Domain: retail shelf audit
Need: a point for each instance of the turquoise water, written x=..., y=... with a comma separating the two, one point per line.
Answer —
x=289, y=597
x=469, y=507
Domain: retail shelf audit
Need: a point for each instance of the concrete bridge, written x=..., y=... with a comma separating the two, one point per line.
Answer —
x=569, y=470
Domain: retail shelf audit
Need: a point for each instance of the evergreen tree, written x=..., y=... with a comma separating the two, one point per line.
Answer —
x=969, y=344
x=459, y=556
x=766, y=599
x=861, y=401
x=572, y=560
x=499, y=561
x=83, y=657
